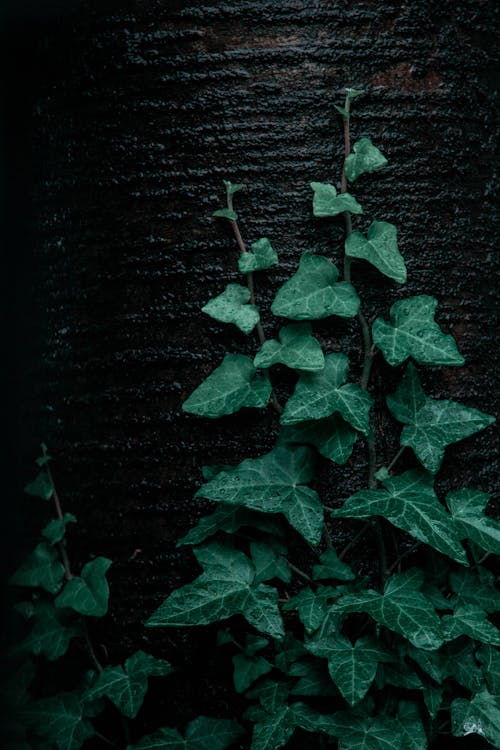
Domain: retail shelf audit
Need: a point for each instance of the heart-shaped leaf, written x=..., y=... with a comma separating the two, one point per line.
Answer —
x=232, y=307
x=230, y=387
x=41, y=569
x=380, y=248
x=320, y=394
x=261, y=256
x=40, y=487
x=296, y=348
x=55, y=530
x=365, y=157
x=327, y=202
x=51, y=633
x=203, y=733
x=480, y=716
x=314, y=293
x=332, y=437
x=431, y=425
x=89, y=593
x=467, y=507
x=413, y=332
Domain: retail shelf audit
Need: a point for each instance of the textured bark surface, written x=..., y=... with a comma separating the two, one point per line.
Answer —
x=140, y=110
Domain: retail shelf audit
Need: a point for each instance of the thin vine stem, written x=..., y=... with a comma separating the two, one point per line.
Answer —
x=396, y=457
x=57, y=502
x=300, y=572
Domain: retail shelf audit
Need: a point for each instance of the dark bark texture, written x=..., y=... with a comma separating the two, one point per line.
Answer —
x=140, y=109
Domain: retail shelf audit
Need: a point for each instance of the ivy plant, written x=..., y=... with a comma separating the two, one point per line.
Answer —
x=396, y=658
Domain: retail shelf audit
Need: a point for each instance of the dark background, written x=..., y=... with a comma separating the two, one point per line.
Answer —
x=121, y=120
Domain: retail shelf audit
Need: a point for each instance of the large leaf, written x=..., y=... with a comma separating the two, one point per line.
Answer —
x=320, y=394
x=51, y=632
x=226, y=587
x=480, y=716
x=232, y=307
x=231, y=386
x=296, y=348
x=467, y=508
x=431, y=425
x=261, y=256
x=380, y=248
x=89, y=593
x=127, y=685
x=314, y=292
x=203, y=733
x=229, y=518
x=470, y=620
x=352, y=667
x=41, y=569
x=409, y=502
x=273, y=483
x=365, y=157
x=413, y=332
x=327, y=202
x=60, y=719
x=402, y=608
x=332, y=437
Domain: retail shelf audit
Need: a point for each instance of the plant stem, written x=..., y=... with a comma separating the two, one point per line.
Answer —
x=106, y=740
x=396, y=457
x=402, y=556
x=300, y=572
x=62, y=544
x=355, y=539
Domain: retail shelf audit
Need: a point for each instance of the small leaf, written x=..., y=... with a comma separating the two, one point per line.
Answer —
x=225, y=213
x=232, y=188
x=60, y=719
x=332, y=437
x=230, y=387
x=365, y=157
x=326, y=201
x=229, y=519
x=296, y=348
x=313, y=606
x=55, y=530
x=380, y=248
x=332, y=567
x=431, y=425
x=40, y=487
x=467, y=507
x=89, y=593
x=342, y=111
x=314, y=678
x=480, y=716
x=320, y=394
x=314, y=293
x=433, y=698
x=413, y=332
x=247, y=670
x=51, y=632
x=41, y=569
x=458, y=661
x=353, y=93
x=470, y=620
x=232, y=307
x=260, y=257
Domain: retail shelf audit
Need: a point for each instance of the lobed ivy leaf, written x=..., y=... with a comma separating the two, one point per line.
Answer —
x=41, y=569
x=365, y=157
x=410, y=727
x=247, y=669
x=40, y=487
x=55, y=530
x=230, y=519
x=489, y=657
x=401, y=608
x=274, y=730
x=327, y=202
x=409, y=502
x=59, y=719
x=225, y=213
x=51, y=632
x=431, y=425
x=233, y=187
x=399, y=675
x=314, y=292
x=332, y=567
x=314, y=678
x=226, y=587
x=320, y=394
x=270, y=561
x=413, y=332
x=273, y=483
x=470, y=589
x=313, y=606
x=230, y=387
x=296, y=348
x=356, y=730
x=480, y=716
x=260, y=257
x=458, y=661
x=470, y=620
x=232, y=306
x=87, y=594
x=271, y=694
x=380, y=248
x=203, y=733
x=467, y=508
x=332, y=437
x=126, y=685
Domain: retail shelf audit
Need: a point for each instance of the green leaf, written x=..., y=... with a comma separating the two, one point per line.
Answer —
x=413, y=332
x=332, y=567
x=365, y=157
x=203, y=733
x=89, y=593
x=458, y=661
x=230, y=387
x=275, y=730
x=380, y=248
x=40, y=487
x=480, y=716
x=314, y=678
x=226, y=213
x=247, y=670
x=320, y=394
x=55, y=530
x=467, y=507
x=410, y=727
x=332, y=437
x=314, y=293
x=470, y=620
x=352, y=667
x=51, y=632
x=273, y=483
x=226, y=587
x=296, y=348
x=271, y=694
x=489, y=657
x=60, y=719
x=353, y=93
x=429, y=662
x=41, y=569
x=409, y=502
x=229, y=519
x=356, y=731
x=165, y=738
x=270, y=561
x=233, y=187
x=313, y=606
x=470, y=589
x=327, y=202
x=401, y=608
x=433, y=698
x=126, y=686
x=342, y=111
x=260, y=257
x=232, y=307
x=431, y=425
